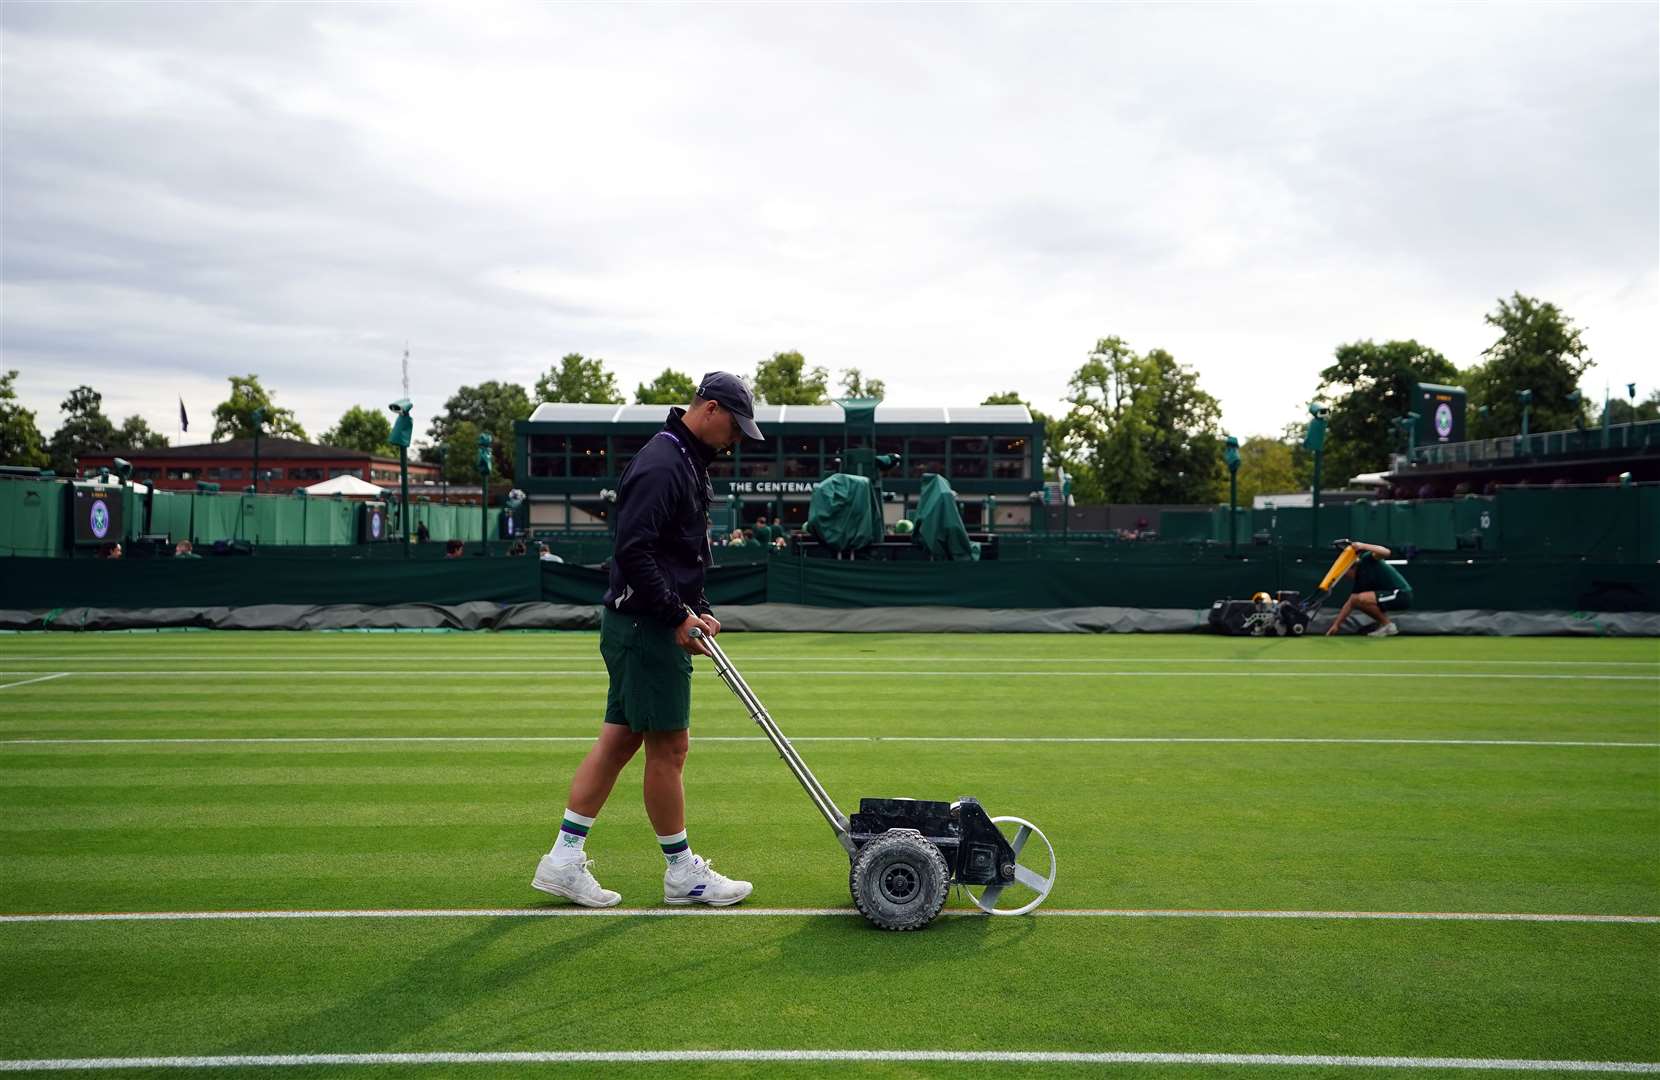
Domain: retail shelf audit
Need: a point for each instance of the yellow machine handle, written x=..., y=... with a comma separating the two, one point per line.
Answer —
x=1345, y=559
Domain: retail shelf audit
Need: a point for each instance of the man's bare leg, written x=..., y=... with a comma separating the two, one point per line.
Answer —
x=1368, y=605
x=598, y=773
x=665, y=795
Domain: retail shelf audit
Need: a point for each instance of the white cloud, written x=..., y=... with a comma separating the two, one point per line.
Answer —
x=959, y=200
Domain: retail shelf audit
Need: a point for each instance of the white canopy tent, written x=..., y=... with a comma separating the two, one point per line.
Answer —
x=346, y=485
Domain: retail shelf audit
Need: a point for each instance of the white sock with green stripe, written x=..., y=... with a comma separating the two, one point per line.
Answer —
x=675, y=848
x=573, y=833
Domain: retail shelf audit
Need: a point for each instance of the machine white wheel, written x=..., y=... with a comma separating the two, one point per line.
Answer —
x=1031, y=885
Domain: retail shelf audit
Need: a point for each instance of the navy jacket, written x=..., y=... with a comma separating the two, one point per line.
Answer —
x=662, y=549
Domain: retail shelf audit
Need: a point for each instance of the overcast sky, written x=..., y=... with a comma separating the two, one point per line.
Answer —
x=959, y=200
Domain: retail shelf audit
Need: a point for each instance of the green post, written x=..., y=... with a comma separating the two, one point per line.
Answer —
x=1526, y=398
x=259, y=422
x=402, y=430
x=988, y=509
x=1231, y=457
x=484, y=441
x=1315, y=441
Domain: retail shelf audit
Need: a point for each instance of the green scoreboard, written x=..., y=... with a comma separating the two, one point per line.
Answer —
x=1440, y=412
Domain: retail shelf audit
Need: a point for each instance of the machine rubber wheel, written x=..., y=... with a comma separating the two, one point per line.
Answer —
x=899, y=880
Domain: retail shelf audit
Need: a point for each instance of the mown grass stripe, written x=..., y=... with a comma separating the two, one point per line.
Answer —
x=777, y=913
x=991, y=1057
x=884, y=657
x=599, y=672
x=1111, y=739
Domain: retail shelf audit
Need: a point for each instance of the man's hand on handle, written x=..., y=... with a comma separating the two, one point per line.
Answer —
x=708, y=624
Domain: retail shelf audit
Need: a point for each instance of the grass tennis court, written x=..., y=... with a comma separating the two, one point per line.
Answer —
x=408, y=782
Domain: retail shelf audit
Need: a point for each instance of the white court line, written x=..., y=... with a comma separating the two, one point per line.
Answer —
x=585, y=739
x=973, y=1057
x=407, y=676
x=26, y=682
x=461, y=655
x=815, y=913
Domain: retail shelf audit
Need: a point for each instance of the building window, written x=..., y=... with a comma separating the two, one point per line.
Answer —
x=968, y=456
x=723, y=465
x=1011, y=468
x=548, y=444
x=544, y=466
x=925, y=456
x=181, y=474
x=308, y=472
x=588, y=456
x=757, y=468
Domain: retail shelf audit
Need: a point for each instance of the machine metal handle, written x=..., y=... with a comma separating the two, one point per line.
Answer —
x=757, y=712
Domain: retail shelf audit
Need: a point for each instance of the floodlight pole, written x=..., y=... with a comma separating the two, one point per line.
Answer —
x=484, y=464
x=259, y=421
x=403, y=431
x=1231, y=456
x=1315, y=441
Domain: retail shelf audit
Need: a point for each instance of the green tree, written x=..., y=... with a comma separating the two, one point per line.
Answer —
x=669, y=388
x=1184, y=441
x=1539, y=349
x=855, y=385
x=1103, y=436
x=1368, y=385
x=579, y=379
x=362, y=429
x=1139, y=430
x=136, y=434
x=786, y=380
x=461, y=459
x=233, y=418
x=85, y=430
x=1621, y=411
x=20, y=441
x=1267, y=466
x=490, y=406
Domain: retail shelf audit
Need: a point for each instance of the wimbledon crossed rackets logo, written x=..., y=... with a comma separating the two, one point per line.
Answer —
x=1443, y=420
x=99, y=519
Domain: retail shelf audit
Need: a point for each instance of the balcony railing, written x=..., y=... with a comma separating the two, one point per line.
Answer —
x=1642, y=437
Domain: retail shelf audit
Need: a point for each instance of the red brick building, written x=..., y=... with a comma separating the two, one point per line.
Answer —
x=284, y=465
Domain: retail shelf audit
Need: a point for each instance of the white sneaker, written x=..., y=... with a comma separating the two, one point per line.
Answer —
x=574, y=880
x=694, y=881
x=1388, y=629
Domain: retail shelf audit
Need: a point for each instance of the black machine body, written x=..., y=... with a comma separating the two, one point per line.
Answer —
x=974, y=848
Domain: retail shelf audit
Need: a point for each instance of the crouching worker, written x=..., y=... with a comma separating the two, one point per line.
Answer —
x=1377, y=589
x=662, y=553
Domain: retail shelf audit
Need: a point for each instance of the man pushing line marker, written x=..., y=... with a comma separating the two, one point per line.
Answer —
x=654, y=602
x=1377, y=588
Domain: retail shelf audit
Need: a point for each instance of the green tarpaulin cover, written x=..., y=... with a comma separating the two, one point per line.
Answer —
x=844, y=515
x=939, y=527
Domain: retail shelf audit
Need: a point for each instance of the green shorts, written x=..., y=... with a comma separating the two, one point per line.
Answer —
x=651, y=676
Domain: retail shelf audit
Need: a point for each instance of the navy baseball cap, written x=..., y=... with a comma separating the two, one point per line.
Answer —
x=734, y=396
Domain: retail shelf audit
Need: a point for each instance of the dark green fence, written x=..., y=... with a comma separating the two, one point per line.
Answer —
x=1194, y=582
